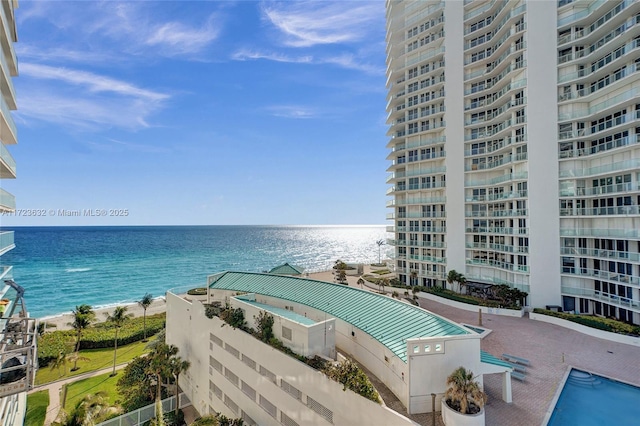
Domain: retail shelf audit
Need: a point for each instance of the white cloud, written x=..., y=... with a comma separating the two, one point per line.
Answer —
x=64, y=55
x=291, y=111
x=85, y=100
x=310, y=23
x=348, y=61
x=178, y=38
x=93, y=82
x=244, y=55
x=137, y=28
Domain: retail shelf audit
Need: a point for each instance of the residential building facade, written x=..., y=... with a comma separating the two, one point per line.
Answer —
x=17, y=331
x=408, y=348
x=513, y=148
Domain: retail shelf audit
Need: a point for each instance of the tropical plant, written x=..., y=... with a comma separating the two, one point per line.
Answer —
x=380, y=243
x=118, y=319
x=352, y=377
x=264, y=324
x=160, y=366
x=341, y=268
x=414, y=277
x=136, y=384
x=75, y=357
x=383, y=282
x=144, y=303
x=455, y=277
x=209, y=420
x=361, y=282
x=60, y=362
x=178, y=366
x=83, y=316
x=234, y=317
x=91, y=410
x=463, y=392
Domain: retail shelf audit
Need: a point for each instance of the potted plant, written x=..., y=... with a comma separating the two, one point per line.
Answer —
x=464, y=400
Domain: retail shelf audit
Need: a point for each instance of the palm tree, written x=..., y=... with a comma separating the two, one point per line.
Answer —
x=361, y=282
x=178, y=366
x=91, y=410
x=462, y=390
x=414, y=277
x=144, y=303
x=380, y=243
x=83, y=316
x=118, y=318
x=60, y=362
x=75, y=357
x=455, y=277
x=160, y=364
x=383, y=282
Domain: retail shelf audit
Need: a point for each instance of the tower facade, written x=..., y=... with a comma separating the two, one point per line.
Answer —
x=513, y=148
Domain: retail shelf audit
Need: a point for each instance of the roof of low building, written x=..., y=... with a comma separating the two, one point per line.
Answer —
x=388, y=320
x=287, y=269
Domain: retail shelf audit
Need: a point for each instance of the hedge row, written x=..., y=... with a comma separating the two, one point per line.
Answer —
x=96, y=337
x=605, y=324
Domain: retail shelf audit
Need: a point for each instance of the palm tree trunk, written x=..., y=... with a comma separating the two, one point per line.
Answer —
x=144, y=324
x=115, y=351
x=177, y=395
x=79, y=335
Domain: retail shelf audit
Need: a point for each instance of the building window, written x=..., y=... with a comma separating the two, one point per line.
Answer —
x=268, y=407
x=320, y=409
x=286, y=333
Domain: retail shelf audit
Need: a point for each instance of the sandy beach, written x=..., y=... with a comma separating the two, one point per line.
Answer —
x=159, y=305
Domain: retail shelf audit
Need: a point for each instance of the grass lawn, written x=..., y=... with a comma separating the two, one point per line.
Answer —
x=98, y=359
x=37, y=403
x=76, y=391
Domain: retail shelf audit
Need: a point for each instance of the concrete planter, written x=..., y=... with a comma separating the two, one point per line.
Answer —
x=451, y=417
x=472, y=308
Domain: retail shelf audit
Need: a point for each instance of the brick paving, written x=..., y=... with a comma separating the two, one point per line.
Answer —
x=552, y=350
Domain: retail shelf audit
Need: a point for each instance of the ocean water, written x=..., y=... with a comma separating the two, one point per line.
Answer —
x=61, y=267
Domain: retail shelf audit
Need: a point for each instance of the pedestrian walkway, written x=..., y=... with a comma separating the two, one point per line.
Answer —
x=551, y=350
x=55, y=388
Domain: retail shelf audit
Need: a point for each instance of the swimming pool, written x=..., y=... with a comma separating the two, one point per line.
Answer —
x=588, y=399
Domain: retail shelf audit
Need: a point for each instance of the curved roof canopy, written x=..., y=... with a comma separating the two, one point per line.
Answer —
x=388, y=320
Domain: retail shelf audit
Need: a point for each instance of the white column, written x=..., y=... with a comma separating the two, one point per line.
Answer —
x=454, y=117
x=542, y=129
x=506, y=387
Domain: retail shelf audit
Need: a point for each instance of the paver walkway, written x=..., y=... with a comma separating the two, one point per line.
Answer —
x=55, y=388
x=552, y=350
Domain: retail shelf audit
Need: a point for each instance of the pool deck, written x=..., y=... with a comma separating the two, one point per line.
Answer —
x=552, y=350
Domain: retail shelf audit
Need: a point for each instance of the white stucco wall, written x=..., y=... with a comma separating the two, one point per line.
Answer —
x=428, y=370
x=189, y=329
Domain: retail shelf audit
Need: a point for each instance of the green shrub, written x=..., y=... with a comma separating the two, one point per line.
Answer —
x=352, y=377
x=381, y=272
x=592, y=321
x=198, y=291
x=96, y=337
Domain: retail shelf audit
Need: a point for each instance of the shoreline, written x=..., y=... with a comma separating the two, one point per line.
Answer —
x=61, y=320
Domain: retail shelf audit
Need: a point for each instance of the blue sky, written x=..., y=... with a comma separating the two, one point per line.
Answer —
x=196, y=112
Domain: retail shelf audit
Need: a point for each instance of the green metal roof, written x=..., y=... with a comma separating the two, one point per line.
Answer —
x=490, y=359
x=389, y=321
x=287, y=269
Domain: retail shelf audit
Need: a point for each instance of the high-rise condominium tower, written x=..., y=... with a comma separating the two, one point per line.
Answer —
x=514, y=147
x=17, y=330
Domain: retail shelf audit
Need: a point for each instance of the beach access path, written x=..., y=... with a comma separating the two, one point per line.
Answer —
x=55, y=389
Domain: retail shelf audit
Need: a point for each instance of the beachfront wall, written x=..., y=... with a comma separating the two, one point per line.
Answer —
x=234, y=373
x=352, y=341
x=432, y=360
x=307, y=340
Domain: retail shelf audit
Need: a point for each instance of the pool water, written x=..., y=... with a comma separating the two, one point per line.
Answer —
x=587, y=399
